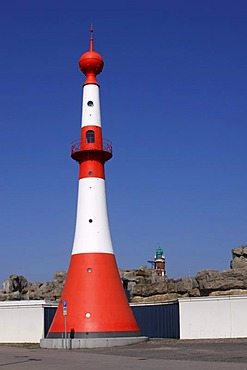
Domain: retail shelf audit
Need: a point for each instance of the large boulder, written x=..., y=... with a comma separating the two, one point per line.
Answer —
x=239, y=258
x=213, y=280
x=146, y=290
x=185, y=285
x=15, y=283
x=60, y=277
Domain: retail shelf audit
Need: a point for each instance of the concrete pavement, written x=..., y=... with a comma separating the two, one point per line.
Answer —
x=155, y=354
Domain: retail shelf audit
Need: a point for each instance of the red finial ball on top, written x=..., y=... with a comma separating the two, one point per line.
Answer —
x=91, y=63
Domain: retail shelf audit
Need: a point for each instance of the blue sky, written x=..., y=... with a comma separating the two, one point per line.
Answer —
x=173, y=99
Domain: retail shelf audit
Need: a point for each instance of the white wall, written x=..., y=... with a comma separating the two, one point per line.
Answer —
x=213, y=317
x=202, y=317
x=22, y=321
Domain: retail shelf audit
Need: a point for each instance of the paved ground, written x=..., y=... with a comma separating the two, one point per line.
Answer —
x=156, y=354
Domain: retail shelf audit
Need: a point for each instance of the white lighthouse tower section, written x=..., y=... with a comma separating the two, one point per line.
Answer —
x=92, y=233
x=91, y=106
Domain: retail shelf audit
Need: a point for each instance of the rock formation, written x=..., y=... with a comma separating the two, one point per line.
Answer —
x=144, y=285
x=18, y=288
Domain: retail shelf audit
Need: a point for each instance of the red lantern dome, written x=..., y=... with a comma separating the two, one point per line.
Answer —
x=91, y=63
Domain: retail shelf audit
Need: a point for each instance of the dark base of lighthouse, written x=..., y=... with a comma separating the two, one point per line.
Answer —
x=92, y=335
x=90, y=342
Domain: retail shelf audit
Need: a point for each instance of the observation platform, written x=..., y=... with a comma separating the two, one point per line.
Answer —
x=81, y=151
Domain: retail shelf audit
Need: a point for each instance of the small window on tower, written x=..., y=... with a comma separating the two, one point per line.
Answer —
x=90, y=137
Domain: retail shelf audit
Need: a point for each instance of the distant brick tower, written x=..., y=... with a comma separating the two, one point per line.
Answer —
x=159, y=262
x=93, y=311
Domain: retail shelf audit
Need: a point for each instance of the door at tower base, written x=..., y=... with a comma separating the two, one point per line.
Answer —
x=97, y=306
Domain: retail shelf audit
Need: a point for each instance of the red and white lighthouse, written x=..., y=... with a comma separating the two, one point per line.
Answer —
x=94, y=311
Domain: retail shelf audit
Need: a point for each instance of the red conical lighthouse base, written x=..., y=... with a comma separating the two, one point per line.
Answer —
x=94, y=311
x=95, y=300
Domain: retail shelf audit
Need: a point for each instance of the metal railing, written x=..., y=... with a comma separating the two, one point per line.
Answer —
x=76, y=146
